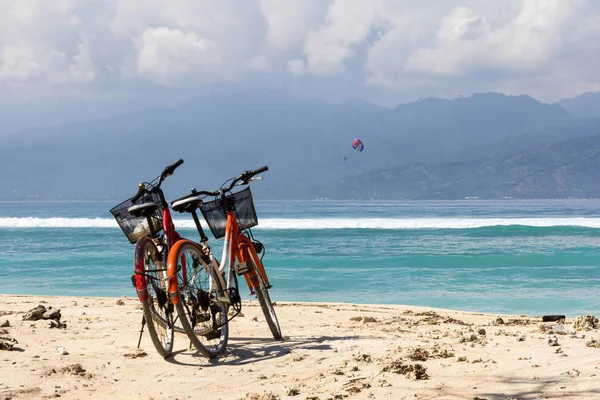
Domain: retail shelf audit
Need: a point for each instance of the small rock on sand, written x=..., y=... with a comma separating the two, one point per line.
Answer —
x=5, y=324
x=120, y=302
x=35, y=313
x=135, y=353
x=52, y=313
x=7, y=342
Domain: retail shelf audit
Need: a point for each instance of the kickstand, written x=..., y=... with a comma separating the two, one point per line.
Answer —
x=141, y=330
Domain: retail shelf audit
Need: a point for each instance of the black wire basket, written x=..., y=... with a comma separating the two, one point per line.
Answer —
x=136, y=227
x=244, y=209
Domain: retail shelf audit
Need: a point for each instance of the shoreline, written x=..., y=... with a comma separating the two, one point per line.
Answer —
x=524, y=314
x=330, y=351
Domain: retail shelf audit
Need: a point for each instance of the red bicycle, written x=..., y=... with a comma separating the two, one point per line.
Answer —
x=146, y=221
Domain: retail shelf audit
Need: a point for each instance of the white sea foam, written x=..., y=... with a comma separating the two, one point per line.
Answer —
x=323, y=223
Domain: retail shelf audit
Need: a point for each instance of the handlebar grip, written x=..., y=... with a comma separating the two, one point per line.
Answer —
x=258, y=170
x=139, y=194
x=171, y=168
x=177, y=163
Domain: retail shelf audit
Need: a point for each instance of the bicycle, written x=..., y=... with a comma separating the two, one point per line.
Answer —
x=229, y=215
x=146, y=222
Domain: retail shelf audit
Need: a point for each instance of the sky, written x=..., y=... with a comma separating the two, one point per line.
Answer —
x=124, y=54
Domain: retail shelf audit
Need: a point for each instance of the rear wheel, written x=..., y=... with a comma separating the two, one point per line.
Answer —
x=203, y=319
x=158, y=310
x=262, y=294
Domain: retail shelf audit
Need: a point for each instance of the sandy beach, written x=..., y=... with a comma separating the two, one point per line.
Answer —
x=330, y=351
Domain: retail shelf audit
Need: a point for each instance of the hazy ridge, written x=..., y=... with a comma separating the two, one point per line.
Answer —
x=486, y=145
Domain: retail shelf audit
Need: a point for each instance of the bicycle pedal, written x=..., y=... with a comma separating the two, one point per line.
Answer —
x=243, y=268
x=213, y=335
x=203, y=317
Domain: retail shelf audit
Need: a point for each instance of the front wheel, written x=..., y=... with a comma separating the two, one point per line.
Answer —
x=202, y=317
x=152, y=290
x=262, y=294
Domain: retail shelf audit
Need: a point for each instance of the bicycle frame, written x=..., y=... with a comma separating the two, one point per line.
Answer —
x=169, y=238
x=238, y=246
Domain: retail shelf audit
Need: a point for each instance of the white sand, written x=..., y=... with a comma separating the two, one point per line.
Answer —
x=328, y=354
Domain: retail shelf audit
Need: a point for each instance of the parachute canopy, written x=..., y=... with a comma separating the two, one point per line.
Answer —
x=357, y=144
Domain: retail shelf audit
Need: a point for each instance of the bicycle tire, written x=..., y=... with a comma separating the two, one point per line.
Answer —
x=199, y=315
x=158, y=310
x=262, y=294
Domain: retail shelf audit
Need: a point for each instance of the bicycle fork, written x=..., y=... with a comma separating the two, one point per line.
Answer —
x=251, y=266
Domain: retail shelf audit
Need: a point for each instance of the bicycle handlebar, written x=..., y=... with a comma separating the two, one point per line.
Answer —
x=140, y=192
x=168, y=171
x=171, y=168
x=245, y=177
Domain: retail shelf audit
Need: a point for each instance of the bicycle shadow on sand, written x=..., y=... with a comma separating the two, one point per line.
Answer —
x=244, y=351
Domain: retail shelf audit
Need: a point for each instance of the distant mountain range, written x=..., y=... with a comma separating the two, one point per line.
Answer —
x=486, y=145
x=585, y=106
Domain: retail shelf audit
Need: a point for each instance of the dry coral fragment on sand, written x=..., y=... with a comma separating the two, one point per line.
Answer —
x=292, y=391
x=439, y=353
x=256, y=396
x=74, y=369
x=593, y=343
x=419, y=354
x=586, y=322
x=34, y=314
x=7, y=342
x=41, y=312
x=411, y=371
x=135, y=353
x=450, y=320
x=363, y=357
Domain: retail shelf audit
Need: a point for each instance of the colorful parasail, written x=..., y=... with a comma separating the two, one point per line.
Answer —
x=357, y=144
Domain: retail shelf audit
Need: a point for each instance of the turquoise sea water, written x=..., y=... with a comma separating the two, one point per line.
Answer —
x=519, y=257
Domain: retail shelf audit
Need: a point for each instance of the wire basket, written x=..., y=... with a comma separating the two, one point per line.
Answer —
x=136, y=227
x=244, y=210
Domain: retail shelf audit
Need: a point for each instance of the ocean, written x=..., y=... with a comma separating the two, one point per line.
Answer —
x=530, y=257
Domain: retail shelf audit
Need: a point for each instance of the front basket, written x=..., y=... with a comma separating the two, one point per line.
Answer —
x=244, y=210
x=136, y=227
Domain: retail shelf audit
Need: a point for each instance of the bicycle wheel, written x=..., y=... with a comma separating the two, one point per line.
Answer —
x=262, y=294
x=203, y=319
x=158, y=310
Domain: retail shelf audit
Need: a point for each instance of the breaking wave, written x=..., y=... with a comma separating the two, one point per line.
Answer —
x=323, y=223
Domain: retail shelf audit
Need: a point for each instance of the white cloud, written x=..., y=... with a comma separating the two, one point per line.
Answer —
x=170, y=55
x=411, y=47
x=258, y=63
x=528, y=44
x=18, y=63
x=466, y=41
x=348, y=23
x=290, y=20
x=297, y=67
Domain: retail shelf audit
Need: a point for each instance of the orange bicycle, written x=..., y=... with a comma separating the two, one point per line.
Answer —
x=229, y=215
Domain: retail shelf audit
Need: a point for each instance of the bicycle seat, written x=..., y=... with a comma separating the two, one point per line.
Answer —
x=187, y=204
x=144, y=209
